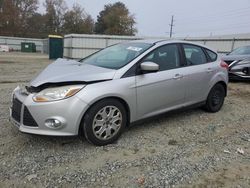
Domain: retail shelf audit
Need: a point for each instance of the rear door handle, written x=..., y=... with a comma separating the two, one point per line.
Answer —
x=177, y=76
x=210, y=70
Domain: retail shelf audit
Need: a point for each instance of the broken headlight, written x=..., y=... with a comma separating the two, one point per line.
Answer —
x=57, y=93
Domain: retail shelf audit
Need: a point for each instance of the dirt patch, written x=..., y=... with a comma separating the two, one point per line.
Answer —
x=234, y=174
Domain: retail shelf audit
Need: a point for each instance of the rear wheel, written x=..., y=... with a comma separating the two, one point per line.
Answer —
x=104, y=122
x=215, y=98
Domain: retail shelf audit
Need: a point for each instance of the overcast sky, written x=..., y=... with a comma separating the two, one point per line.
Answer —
x=191, y=17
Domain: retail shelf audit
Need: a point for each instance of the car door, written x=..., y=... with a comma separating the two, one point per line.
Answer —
x=163, y=90
x=199, y=72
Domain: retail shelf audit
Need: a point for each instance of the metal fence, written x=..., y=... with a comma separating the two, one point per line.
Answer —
x=14, y=43
x=222, y=45
x=78, y=46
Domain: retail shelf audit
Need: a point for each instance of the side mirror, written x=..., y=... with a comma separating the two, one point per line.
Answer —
x=147, y=67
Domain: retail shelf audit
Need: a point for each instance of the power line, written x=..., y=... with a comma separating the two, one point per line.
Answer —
x=231, y=16
x=229, y=27
x=214, y=26
x=217, y=13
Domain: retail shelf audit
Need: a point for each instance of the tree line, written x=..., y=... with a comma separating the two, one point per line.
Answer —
x=21, y=18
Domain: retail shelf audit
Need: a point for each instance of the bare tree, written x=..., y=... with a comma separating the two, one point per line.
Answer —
x=27, y=9
x=77, y=21
x=14, y=15
x=20, y=18
x=55, y=10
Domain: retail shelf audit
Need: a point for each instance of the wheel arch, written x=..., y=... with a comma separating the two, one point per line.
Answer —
x=218, y=82
x=122, y=101
x=224, y=86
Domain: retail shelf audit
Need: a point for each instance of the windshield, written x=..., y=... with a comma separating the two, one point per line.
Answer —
x=241, y=51
x=117, y=56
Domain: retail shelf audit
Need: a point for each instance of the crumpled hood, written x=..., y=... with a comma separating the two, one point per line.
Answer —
x=235, y=57
x=63, y=70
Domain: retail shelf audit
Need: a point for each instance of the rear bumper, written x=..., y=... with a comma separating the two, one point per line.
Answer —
x=29, y=116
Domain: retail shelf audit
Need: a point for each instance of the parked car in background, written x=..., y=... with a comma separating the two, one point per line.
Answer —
x=239, y=63
x=98, y=96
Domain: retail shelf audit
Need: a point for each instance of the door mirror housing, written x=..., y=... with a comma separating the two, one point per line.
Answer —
x=148, y=66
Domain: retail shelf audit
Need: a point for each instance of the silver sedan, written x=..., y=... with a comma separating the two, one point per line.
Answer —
x=98, y=96
x=239, y=63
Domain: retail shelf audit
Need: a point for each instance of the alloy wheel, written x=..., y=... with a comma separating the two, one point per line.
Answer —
x=107, y=122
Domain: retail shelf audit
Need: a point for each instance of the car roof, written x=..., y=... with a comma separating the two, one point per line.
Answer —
x=169, y=41
x=247, y=46
x=148, y=41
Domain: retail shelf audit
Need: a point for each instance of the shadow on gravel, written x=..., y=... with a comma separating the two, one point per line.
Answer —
x=55, y=140
x=7, y=62
x=240, y=81
x=74, y=141
x=13, y=81
x=167, y=116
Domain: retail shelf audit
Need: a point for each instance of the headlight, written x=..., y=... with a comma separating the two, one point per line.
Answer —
x=57, y=93
x=243, y=62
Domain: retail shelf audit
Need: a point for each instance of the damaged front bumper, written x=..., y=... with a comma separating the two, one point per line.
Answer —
x=35, y=118
x=239, y=70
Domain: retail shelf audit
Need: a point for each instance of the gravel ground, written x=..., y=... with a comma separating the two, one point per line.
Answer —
x=189, y=148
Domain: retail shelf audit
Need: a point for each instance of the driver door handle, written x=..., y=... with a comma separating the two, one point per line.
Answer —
x=210, y=70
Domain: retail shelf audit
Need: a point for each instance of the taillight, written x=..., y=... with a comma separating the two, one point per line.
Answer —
x=223, y=64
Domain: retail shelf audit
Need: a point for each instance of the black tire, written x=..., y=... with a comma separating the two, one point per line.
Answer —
x=91, y=116
x=215, y=99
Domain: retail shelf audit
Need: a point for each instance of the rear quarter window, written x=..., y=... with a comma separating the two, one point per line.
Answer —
x=195, y=55
x=212, y=55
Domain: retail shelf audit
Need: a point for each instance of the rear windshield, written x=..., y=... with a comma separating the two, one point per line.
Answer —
x=117, y=56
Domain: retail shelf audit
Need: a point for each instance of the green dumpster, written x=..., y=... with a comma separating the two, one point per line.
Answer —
x=55, y=46
x=28, y=47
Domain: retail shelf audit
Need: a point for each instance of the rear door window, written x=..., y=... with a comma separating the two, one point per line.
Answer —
x=194, y=55
x=212, y=55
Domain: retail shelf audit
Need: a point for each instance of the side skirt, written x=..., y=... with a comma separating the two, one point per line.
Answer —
x=196, y=105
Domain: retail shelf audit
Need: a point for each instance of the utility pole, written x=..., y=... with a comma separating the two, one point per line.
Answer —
x=171, y=27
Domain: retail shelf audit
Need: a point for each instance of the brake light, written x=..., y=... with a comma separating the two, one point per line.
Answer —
x=223, y=64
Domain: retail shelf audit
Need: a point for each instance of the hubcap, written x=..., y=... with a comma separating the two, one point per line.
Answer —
x=107, y=122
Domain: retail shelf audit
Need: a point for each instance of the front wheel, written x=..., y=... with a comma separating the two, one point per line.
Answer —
x=215, y=98
x=104, y=122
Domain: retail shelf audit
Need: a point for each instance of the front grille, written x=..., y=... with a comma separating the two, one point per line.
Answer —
x=16, y=109
x=28, y=120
